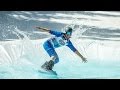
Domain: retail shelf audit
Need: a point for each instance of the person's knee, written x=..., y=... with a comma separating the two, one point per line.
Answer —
x=44, y=46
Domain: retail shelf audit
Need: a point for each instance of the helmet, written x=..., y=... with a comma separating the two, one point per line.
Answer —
x=69, y=31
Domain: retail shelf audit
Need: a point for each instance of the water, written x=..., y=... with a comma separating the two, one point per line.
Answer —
x=96, y=35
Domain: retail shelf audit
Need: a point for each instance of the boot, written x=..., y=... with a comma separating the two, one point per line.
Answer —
x=44, y=65
x=48, y=65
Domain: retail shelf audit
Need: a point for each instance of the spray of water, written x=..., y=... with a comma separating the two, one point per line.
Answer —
x=78, y=31
x=13, y=52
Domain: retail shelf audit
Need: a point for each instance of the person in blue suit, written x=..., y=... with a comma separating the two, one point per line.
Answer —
x=60, y=39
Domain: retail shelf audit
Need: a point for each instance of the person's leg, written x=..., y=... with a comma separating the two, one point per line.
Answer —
x=52, y=53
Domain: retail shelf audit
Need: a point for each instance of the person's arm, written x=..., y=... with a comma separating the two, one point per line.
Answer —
x=83, y=58
x=43, y=29
x=70, y=45
x=56, y=33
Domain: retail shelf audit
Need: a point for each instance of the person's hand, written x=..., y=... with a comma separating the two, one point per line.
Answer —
x=37, y=27
x=84, y=60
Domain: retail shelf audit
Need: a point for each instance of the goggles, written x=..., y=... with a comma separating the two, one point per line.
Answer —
x=69, y=33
